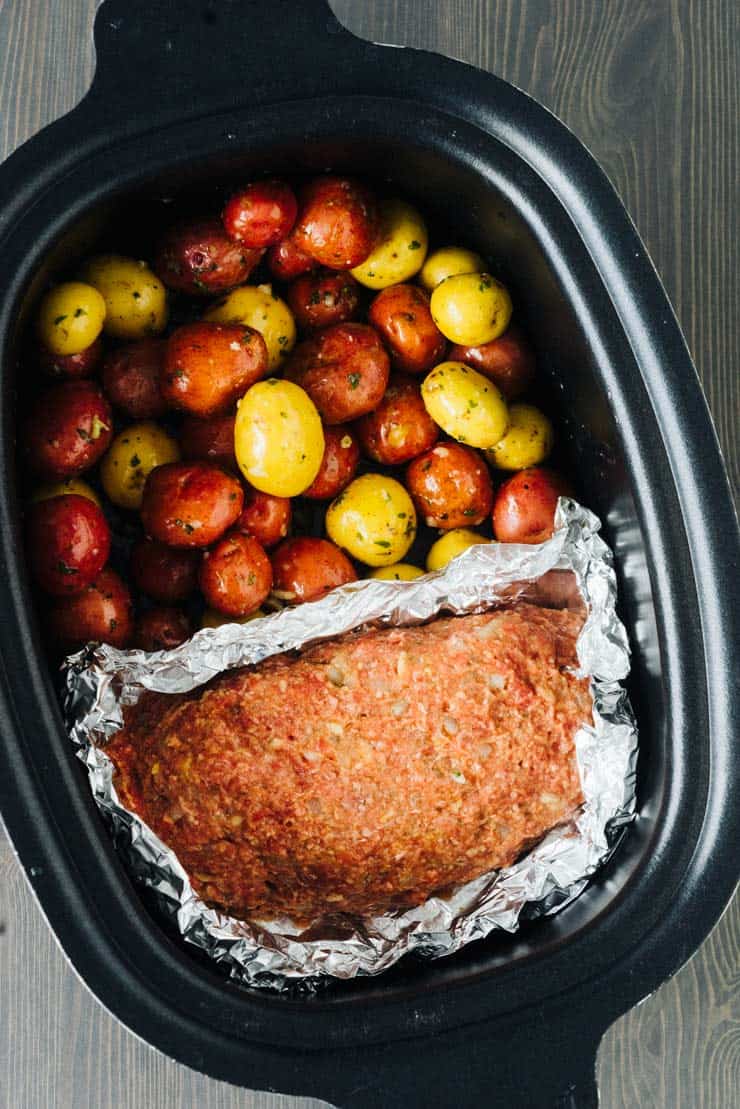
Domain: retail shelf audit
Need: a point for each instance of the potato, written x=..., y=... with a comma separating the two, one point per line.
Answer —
x=401, y=315
x=102, y=612
x=161, y=629
x=344, y=369
x=471, y=308
x=400, y=428
x=278, y=438
x=524, y=508
x=236, y=575
x=508, y=361
x=305, y=569
x=131, y=457
x=199, y=259
x=338, y=466
x=67, y=543
x=373, y=519
x=450, y=486
x=190, y=504
x=208, y=366
x=527, y=442
x=70, y=366
x=320, y=299
x=130, y=377
x=337, y=222
x=261, y=214
x=165, y=574
x=465, y=404
x=68, y=430
x=258, y=307
x=135, y=298
x=70, y=318
x=264, y=517
x=448, y=261
x=400, y=571
x=71, y=485
x=450, y=545
x=400, y=251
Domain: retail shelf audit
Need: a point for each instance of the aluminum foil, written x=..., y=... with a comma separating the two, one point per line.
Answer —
x=572, y=569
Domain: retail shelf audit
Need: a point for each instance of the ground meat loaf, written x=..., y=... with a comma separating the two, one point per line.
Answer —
x=368, y=773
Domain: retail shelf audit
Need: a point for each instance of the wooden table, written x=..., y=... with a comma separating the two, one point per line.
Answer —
x=651, y=86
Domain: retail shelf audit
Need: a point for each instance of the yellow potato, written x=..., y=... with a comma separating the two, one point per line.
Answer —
x=373, y=519
x=465, y=404
x=527, y=442
x=211, y=618
x=131, y=457
x=447, y=262
x=70, y=317
x=258, y=307
x=471, y=308
x=278, y=438
x=70, y=485
x=135, y=298
x=401, y=248
x=452, y=544
x=400, y=571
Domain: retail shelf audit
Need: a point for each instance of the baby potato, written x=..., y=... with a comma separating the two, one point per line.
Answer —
x=135, y=298
x=236, y=575
x=524, y=508
x=450, y=545
x=527, y=442
x=70, y=318
x=337, y=222
x=508, y=361
x=305, y=569
x=132, y=456
x=400, y=250
x=400, y=571
x=400, y=428
x=68, y=430
x=208, y=366
x=70, y=366
x=344, y=369
x=373, y=519
x=71, y=485
x=338, y=466
x=264, y=517
x=465, y=404
x=161, y=629
x=471, y=308
x=278, y=438
x=190, y=504
x=102, y=612
x=450, y=486
x=448, y=261
x=258, y=307
x=198, y=258
x=166, y=574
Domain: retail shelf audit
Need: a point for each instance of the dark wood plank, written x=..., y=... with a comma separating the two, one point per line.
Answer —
x=652, y=88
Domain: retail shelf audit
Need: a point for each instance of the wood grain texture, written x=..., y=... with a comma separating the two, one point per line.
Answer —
x=651, y=86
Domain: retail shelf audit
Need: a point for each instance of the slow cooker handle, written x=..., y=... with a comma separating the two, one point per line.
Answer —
x=186, y=57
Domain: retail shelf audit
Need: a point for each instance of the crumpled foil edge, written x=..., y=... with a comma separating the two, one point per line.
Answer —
x=101, y=680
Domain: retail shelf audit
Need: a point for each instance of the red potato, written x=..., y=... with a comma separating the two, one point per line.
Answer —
x=337, y=222
x=211, y=440
x=286, y=260
x=71, y=366
x=305, y=569
x=161, y=629
x=321, y=299
x=190, y=504
x=261, y=214
x=236, y=575
x=209, y=366
x=265, y=517
x=400, y=428
x=101, y=613
x=402, y=316
x=508, y=361
x=69, y=429
x=450, y=486
x=338, y=465
x=164, y=573
x=130, y=378
x=199, y=258
x=344, y=370
x=68, y=542
x=524, y=508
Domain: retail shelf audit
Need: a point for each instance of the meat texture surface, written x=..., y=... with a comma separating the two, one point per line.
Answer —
x=368, y=773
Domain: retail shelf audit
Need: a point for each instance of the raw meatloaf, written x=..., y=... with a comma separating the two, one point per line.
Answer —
x=368, y=773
